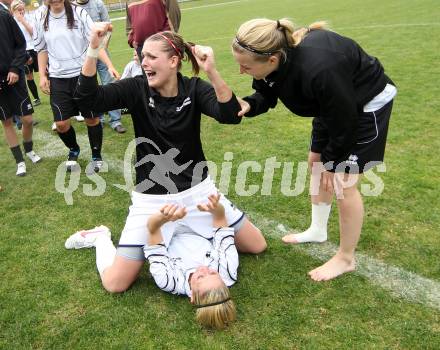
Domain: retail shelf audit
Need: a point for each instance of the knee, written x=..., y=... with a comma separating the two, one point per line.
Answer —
x=62, y=126
x=259, y=245
x=114, y=286
x=92, y=121
x=27, y=121
x=7, y=123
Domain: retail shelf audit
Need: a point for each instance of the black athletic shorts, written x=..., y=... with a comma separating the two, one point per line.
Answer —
x=62, y=102
x=370, y=145
x=33, y=66
x=14, y=99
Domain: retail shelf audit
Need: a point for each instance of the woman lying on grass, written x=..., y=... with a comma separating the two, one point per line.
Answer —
x=201, y=267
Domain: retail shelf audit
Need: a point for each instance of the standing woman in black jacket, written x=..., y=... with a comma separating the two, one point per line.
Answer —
x=317, y=73
x=14, y=98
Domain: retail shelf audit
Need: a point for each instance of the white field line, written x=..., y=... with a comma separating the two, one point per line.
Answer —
x=373, y=26
x=399, y=282
x=190, y=8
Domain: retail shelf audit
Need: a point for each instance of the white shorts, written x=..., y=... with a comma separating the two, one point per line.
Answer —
x=143, y=205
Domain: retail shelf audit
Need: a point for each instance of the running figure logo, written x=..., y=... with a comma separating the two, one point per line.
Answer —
x=164, y=164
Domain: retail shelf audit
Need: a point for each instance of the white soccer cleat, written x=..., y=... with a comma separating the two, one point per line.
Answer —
x=21, y=169
x=86, y=238
x=35, y=158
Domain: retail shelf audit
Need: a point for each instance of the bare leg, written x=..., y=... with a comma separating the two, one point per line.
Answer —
x=121, y=274
x=249, y=239
x=10, y=134
x=351, y=213
x=27, y=128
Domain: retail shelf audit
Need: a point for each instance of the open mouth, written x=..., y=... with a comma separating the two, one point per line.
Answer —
x=150, y=74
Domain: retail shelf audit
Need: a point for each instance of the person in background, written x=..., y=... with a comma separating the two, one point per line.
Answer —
x=14, y=98
x=61, y=38
x=133, y=68
x=25, y=22
x=98, y=12
x=148, y=17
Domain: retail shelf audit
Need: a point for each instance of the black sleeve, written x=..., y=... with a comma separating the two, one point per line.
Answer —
x=337, y=102
x=225, y=113
x=124, y=93
x=261, y=100
x=19, y=56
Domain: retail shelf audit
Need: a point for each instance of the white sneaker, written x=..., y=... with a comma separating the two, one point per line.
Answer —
x=86, y=238
x=79, y=118
x=21, y=169
x=35, y=158
x=54, y=126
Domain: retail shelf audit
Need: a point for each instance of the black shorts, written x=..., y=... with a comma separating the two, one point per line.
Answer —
x=14, y=99
x=62, y=102
x=370, y=144
x=33, y=66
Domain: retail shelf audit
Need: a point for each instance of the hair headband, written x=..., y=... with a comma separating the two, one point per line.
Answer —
x=251, y=49
x=179, y=53
x=212, y=304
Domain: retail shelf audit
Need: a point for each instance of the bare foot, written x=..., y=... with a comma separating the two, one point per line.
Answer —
x=290, y=238
x=333, y=268
x=308, y=236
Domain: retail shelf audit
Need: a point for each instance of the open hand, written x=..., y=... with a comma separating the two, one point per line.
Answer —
x=44, y=84
x=245, y=107
x=12, y=78
x=172, y=212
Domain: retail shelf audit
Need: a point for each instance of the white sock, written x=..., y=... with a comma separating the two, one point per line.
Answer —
x=105, y=253
x=317, y=232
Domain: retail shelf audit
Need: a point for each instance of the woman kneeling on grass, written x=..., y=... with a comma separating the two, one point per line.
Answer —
x=166, y=109
x=318, y=73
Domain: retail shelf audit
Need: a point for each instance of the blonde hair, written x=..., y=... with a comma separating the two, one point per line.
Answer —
x=217, y=316
x=15, y=4
x=264, y=37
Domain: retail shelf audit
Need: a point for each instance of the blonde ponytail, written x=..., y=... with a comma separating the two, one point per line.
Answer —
x=264, y=37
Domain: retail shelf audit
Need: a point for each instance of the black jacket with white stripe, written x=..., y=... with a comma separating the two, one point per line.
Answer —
x=12, y=44
x=169, y=151
x=326, y=76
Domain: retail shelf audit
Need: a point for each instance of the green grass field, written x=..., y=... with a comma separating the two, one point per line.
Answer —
x=51, y=298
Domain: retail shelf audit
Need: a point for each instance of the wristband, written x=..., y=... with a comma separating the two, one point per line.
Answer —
x=93, y=53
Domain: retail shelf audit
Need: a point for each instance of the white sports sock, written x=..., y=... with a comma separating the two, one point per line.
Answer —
x=105, y=253
x=317, y=232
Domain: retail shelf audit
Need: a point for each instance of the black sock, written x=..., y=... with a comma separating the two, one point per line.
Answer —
x=69, y=139
x=95, y=139
x=28, y=146
x=18, y=155
x=33, y=87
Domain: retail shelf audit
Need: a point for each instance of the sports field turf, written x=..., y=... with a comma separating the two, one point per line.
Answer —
x=51, y=298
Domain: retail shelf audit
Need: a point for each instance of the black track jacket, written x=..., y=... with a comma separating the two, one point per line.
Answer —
x=162, y=124
x=12, y=44
x=327, y=76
